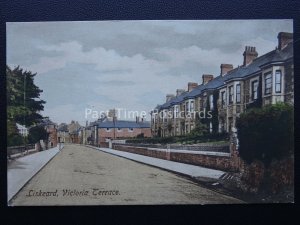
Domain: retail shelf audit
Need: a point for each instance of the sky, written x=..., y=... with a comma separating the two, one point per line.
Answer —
x=86, y=67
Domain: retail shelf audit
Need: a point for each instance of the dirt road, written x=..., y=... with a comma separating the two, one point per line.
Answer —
x=80, y=175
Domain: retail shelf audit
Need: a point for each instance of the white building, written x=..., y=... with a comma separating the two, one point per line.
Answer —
x=22, y=130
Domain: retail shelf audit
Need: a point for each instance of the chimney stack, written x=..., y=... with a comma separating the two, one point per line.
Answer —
x=179, y=91
x=206, y=78
x=225, y=68
x=192, y=86
x=284, y=39
x=249, y=55
x=169, y=97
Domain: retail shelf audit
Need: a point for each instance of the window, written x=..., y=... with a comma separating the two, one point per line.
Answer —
x=165, y=112
x=238, y=93
x=211, y=102
x=107, y=129
x=278, y=81
x=176, y=111
x=201, y=104
x=119, y=129
x=223, y=98
x=187, y=107
x=130, y=129
x=254, y=89
x=230, y=94
x=192, y=106
x=268, y=83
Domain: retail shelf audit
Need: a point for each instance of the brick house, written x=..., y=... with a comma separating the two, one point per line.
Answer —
x=121, y=129
x=51, y=128
x=63, y=133
x=260, y=81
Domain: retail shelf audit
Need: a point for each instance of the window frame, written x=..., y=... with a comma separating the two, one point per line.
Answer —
x=252, y=89
x=223, y=98
x=238, y=93
x=276, y=81
x=270, y=80
x=211, y=102
x=230, y=95
x=192, y=106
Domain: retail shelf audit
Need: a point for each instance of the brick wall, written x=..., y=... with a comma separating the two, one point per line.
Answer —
x=256, y=175
x=210, y=161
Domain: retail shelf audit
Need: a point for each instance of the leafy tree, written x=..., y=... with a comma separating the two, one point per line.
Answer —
x=23, y=103
x=36, y=134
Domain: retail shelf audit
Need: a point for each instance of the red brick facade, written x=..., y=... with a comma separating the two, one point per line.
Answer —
x=121, y=133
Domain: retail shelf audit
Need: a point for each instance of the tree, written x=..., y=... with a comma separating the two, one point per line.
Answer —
x=36, y=134
x=23, y=103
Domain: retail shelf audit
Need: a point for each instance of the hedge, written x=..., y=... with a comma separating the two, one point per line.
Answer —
x=266, y=133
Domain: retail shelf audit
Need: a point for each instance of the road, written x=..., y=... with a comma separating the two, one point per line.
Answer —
x=79, y=175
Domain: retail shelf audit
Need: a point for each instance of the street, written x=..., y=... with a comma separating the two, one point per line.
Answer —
x=79, y=175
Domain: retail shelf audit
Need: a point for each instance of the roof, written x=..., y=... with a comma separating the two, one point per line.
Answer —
x=274, y=56
x=123, y=124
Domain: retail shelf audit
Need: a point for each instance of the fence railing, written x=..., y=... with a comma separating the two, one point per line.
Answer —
x=211, y=147
x=19, y=149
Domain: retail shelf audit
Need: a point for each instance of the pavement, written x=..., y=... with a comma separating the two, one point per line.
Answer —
x=21, y=154
x=21, y=170
x=198, y=172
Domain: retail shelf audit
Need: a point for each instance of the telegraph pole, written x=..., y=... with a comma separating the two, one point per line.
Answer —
x=24, y=111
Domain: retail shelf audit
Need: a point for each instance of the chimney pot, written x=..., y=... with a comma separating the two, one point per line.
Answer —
x=206, y=78
x=192, y=86
x=169, y=97
x=179, y=91
x=249, y=55
x=284, y=39
x=225, y=68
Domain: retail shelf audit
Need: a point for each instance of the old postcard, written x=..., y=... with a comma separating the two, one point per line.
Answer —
x=150, y=112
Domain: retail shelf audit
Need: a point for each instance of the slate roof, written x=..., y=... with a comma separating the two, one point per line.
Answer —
x=63, y=128
x=123, y=124
x=274, y=56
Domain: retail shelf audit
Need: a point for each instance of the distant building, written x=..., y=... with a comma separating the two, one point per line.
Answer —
x=51, y=128
x=22, y=130
x=121, y=129
x=63, y=133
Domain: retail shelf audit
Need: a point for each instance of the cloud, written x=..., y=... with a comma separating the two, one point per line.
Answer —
x=129, y=64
